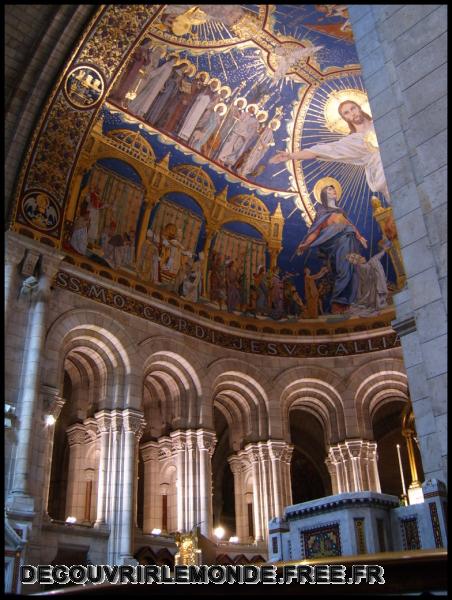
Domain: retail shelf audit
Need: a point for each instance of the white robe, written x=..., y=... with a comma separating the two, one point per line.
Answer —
x=195, y=113
x=257, y=153
x=372, y=287
x=235, y=144
x=150, y=90
x=353, y=149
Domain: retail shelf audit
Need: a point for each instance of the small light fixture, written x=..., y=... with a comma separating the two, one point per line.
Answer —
x=219, y=532
x=50, y=420
x=71, y=520
x=156, y=531
x=234, y=539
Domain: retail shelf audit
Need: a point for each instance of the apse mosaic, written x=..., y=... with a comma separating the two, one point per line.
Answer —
x=223, y=154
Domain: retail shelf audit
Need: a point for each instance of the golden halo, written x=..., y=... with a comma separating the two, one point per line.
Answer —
x=181, y=61
x=220, y=105
x=324, y=182
x=256, y=108
x=216, y=82
x=190, y=70
x=276, y=123
x=204, y=76
x=241, y=100
x=227, y=89
x=260, y=114
x=333, y=121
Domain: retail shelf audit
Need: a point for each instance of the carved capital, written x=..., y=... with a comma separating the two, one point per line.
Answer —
x=76, y=434
x=52, y=402
x=103, y=420
x=134, y=421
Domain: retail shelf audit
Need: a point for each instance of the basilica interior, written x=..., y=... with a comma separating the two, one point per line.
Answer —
x=225, y=285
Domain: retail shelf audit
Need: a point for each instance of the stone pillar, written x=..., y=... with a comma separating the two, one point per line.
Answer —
x=241, y=515
x=192, y=451
x=178, y=450
x=53, y=403
x=151, y=487
x=286, y=459
x=352, y=465
x=133, y=426
x=206, y=445
x=280, y=455
x=103, y=419
x=21, y=498
x=76, y=435
x=14, y=253
x=408, y=104
x=252, y=452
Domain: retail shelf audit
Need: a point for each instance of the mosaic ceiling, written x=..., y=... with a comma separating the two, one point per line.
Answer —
x=224, y=155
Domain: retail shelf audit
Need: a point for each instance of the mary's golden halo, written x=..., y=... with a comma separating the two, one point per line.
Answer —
x=323, y=183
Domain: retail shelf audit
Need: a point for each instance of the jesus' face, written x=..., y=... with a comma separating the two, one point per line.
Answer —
x=352, y=113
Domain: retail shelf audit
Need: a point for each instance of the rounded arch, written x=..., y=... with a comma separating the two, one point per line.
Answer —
x=317, y=390
x=244, y=403
x=106, y=152
x=374, y=384
x=175, y=389
x=101, y=341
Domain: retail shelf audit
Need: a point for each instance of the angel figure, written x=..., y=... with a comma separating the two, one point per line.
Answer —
x=287, y=56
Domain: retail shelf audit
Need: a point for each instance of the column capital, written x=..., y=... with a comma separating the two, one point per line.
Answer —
x=235, y=462
x=178, y=440
x=150, y=451
x=134, y=421
x=280, y=450
x=76, y=434
x=207, y=440
x=52, y=401
x=103, y=419
x=252, y=452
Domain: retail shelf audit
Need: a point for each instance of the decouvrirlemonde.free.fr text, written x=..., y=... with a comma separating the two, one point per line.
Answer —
x=249, y=574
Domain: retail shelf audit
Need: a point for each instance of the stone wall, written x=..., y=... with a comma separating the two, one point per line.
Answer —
x=402, y=50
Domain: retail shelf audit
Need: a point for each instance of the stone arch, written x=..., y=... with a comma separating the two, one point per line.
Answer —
x=104, y=343
x=249, y=375
x=240, y=394
x=317, y=390
x=167, y=370
x=373, y=385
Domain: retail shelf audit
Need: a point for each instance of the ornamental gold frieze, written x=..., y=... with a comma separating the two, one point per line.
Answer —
x=116, y=29
x=71, y=108
x=191, y=328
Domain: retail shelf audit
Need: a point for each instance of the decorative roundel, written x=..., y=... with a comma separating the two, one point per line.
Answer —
x=84, y=86
x=40, y=210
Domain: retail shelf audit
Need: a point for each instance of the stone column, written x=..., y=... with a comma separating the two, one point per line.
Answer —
x=280, y=453
x=252, y=452
x=206, y=446
x=285, y=475
x=14, y=253
x=76, y=435
x=178, y=450
x=133, y=427
x=21, y=498
x=352, y=465
x=151, y=487
x=53, y=403
x=103, y=419
x=241, y=515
